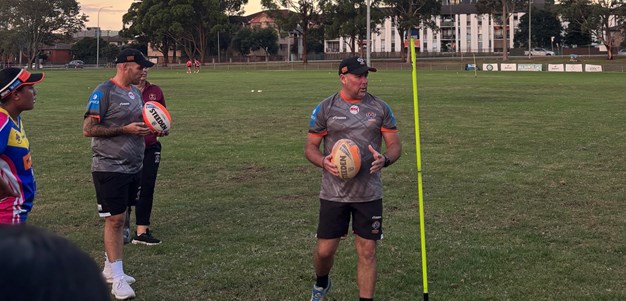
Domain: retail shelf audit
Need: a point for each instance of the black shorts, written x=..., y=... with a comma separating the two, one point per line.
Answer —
x=334, y=219
x=115, y=191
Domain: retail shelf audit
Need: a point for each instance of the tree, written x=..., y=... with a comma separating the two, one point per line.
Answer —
x=545, y=25
x=601, y=18
x=410, y=14
x=266, y=39
x=307, y=14
x=38, y=22
x=243, y=41
x=576, y=36
x=184, y=23
x=347, y=18
x=85, y=50
x=505, y=8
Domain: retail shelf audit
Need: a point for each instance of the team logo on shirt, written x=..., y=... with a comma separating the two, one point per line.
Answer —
x=371, y=116
x=152, y=96
x=131, y=95
x=354, y=109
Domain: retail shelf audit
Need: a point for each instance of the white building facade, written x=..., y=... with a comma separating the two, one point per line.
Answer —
x=457, y=32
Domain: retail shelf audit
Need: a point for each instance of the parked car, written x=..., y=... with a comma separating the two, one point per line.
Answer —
x=75, y=64
x=622, y=52
x=539, y=52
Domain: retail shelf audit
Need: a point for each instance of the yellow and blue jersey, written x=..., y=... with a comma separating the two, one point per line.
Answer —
x=16, y=170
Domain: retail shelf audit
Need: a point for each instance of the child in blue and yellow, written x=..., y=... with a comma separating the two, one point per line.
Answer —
x=17, y=180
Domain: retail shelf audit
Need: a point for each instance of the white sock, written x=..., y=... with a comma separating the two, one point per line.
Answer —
x=107, y=264
x=117, y=269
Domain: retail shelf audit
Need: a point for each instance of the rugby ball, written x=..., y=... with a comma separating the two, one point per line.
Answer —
x=156, y=117
x=347, y=158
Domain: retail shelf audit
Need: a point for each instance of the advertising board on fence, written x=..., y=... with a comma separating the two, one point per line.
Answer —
x=508, y=67
x=593, y=68
x=529, y=67
x=490, y=67
x=573, y=67
x=556, y=67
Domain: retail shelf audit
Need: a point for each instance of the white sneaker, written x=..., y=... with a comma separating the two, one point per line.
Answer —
x=122, y=290
x=108, y=275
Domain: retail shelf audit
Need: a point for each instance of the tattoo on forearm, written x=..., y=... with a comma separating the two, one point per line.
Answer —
x=93, y=129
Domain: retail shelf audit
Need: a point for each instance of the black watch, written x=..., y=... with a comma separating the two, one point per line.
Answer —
x=387, y=161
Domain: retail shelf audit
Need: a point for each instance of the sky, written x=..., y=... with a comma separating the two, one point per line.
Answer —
x=111, y=12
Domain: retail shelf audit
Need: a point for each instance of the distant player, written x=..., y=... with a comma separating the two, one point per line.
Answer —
x=354, y=114
x=189, y=66
x=17, y=180
x=196, y=65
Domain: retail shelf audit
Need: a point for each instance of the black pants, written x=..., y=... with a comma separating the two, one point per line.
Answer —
x=143, y=207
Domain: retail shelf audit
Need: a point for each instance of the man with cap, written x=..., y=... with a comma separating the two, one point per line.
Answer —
x=353, y=114
x=114, y=121
x=17, y=180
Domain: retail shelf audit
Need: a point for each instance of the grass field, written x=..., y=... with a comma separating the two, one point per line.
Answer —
x=523, y=179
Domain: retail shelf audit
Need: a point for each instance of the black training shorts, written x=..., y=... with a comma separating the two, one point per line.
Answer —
x=334, y=219
x=115, y=191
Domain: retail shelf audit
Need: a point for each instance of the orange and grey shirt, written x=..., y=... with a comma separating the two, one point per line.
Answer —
x=116, y=106
x=362, y=121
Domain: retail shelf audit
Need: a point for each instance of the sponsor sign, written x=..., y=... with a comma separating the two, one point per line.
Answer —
x=573, y=67
x=556, y=68
x=508, y=67
x=593, y=68
x=529, y=67
x=490, y=67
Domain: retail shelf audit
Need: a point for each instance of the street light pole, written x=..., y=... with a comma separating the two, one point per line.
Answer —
x=369, y=35
x=530, y=21
x=98, y=37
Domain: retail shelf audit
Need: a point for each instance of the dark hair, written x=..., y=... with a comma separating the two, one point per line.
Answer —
x=38, y=265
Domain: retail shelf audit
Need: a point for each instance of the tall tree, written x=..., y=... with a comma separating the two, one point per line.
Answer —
x=348, y=18
x=266, y=39
x=187, y=23
x=503, y=9
x=604, y=19
x=307, y=14
x=38, y=22
x=576, y=36
x=412, y=14
x=545, y=25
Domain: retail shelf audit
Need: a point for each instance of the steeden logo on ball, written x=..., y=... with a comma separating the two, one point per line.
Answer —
x=347, y=158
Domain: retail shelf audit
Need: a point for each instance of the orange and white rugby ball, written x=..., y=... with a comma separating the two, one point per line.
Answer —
x=156, y=117
x=347, y=158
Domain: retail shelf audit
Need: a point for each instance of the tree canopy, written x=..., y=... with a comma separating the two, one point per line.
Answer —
x=307, y=14
x=544, y=26
x=604, y=19
x=28, y=24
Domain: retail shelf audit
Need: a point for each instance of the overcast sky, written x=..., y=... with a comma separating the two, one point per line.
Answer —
x=111, y=12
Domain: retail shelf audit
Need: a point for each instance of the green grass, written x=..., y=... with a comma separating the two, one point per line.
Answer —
x=523, y=185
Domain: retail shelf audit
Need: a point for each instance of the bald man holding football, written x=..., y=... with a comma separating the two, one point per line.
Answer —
x=114, y=122
x=353, y=114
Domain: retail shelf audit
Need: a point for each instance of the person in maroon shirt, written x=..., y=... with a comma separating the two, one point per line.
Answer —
x=151, y=160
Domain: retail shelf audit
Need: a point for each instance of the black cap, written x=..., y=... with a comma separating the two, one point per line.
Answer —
x=131, y=55
x=355, y=65
x=13, y=78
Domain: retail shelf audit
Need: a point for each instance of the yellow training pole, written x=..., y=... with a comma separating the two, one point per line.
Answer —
x=418, y=155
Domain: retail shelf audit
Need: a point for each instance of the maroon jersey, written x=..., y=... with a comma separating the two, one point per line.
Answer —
x=152, y=92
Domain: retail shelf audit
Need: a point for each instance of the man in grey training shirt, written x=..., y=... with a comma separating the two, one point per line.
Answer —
x=114, y=121
x=353, y=114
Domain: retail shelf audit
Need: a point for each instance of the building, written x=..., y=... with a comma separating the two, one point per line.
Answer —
x=460, y=29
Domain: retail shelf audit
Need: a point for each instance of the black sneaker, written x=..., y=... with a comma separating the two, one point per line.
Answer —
x=146, y=239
